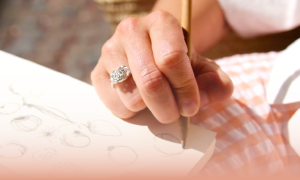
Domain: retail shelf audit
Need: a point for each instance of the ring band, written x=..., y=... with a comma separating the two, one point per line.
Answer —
x=119, y=75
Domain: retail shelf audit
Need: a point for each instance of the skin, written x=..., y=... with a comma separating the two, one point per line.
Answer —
x=164, y=79
x=208, y=22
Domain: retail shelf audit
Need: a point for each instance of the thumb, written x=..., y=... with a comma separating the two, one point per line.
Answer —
x=214, y=84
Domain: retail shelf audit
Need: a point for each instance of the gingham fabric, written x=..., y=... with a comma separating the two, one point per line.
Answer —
x=249, y=130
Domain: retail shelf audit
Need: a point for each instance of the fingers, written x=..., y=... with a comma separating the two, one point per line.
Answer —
x=151, y=82
x=163, y=79
x=214, y=84
x=108, y=95
x=170, y=54
x=113, y=56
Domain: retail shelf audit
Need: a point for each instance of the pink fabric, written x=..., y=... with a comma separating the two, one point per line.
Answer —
x=249, y=130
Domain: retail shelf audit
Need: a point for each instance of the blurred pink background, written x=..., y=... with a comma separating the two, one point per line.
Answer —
x=67, y=35
x=64, y=35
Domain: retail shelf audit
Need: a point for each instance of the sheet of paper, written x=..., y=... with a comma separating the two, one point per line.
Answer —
x=52, y=124
x=284, y=86
x=174, y=170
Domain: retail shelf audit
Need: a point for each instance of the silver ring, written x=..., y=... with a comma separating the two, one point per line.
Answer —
x=119, y=75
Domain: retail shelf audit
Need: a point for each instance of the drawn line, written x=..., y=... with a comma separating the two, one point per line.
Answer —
x=166, y=150
x=9, y=108
x=74, y=140
x=26, y=123
x=50, y=112
x=103, y=128
x=44, y=155
x=11, y=89
x=48, y=133
x=43, y=109
x=122, y=155
x=12, y=150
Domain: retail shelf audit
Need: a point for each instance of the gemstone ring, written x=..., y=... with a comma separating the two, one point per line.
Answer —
x=119, y=75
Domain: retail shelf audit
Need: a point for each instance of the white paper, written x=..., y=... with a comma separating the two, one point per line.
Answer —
x=52, y=124
x=284, y=87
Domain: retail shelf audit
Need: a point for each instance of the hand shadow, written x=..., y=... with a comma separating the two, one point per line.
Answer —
x=198, y=138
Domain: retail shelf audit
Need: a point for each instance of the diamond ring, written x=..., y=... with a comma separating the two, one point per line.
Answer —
x=119, y=75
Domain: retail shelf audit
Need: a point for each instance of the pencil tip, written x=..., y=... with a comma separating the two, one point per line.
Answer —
x=183, y=144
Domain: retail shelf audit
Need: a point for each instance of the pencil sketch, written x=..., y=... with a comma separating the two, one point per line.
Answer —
x=9, y=108
x=122, y=155
x=170, y=149
x=12, y=90
x=26, y=123
x=44, y=155
x=103, y=128
x=12, y=150
x=77, y=140
x=49, y=111
x=48, y=133
x=26, y=89
x=68, y=135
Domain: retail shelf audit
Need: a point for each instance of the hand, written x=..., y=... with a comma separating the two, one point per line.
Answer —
x=163, y=78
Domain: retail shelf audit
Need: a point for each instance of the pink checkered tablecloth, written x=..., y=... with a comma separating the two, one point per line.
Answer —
x=249, y=130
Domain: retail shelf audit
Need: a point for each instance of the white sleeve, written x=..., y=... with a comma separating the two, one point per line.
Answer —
x=250, y=18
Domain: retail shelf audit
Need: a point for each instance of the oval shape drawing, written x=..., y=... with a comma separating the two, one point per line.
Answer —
x=10, y=103
x=122, y=155
x=9, y=108
x=44, y=155
x=26, y=123
x=168, y=144
x=77, y=140
x=103, y=128
x=12, y=150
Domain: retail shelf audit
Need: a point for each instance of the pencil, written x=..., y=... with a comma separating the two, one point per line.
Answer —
x=186, y=13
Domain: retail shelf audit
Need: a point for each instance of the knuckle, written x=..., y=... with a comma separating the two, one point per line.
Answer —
x=153, y=82
x=185, y=85
x=171, y=59
x=108, y=47
x=160, y=15
x=128, y=25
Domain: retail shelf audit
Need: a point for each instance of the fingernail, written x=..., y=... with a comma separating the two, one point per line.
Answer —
x=188, y=108
x=203, y=99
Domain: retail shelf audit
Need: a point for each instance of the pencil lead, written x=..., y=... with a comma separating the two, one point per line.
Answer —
x=183, y=144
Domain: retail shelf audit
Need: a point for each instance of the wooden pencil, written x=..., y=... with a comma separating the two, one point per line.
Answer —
x=186, y=14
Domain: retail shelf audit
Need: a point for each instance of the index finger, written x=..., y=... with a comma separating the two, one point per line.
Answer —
x=170, y=54
x=152, y=84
